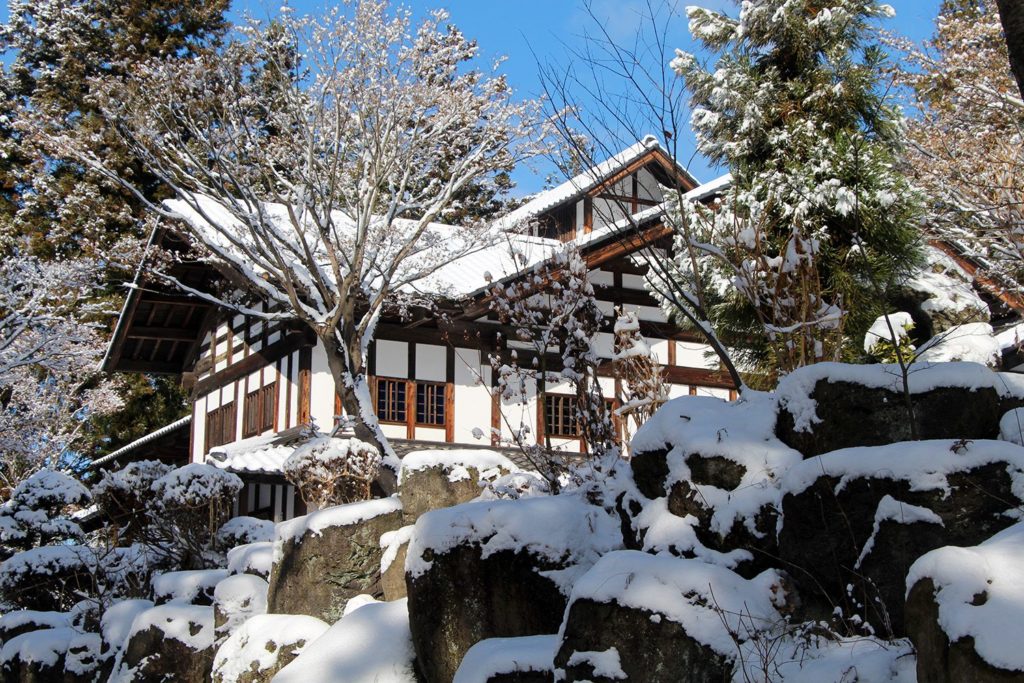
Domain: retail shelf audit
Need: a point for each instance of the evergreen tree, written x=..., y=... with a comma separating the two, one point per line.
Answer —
x=57, y=52
x=819, y=222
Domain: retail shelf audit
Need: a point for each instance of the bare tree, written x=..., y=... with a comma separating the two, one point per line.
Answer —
x=315, y=177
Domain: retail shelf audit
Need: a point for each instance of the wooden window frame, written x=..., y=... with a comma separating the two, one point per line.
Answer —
x=223, y=421
x=376, y=399
x=544, y=424
x=411, y=422
x=444, y=387
x=260, y=411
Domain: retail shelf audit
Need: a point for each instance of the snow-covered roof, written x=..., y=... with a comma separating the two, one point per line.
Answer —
x=142, y=441
x=583, y=183
x=259, y=454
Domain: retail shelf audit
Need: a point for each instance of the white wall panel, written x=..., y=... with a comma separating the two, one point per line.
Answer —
x=392, y=359
x=431, y=362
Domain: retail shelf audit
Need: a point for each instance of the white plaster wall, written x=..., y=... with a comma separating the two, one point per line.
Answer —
x=608, y=211
x=690, y=354
x=677, y=390
x=601, y=277
x=630, y=281
x=198, y=429
x=393, y=431
x=659, y=347
x=648, y=186
x=321, y=395
x=430, y=434
x=472, y=397
x=604, y=344
x=431, y=362
x=392, y=359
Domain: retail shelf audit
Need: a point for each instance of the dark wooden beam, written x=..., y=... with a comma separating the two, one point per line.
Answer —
x=255, y=361
x=151, y=366
x=162, y=333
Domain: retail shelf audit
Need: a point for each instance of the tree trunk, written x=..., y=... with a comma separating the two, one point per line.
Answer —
x=1011, y=14
x=349, y=376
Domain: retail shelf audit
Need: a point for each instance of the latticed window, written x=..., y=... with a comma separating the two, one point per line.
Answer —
x=259, y=410
x=430, y=403
x=220, y=426
x=391, y=400
x=560, y=418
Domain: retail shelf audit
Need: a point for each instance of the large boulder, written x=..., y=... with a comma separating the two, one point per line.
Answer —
x=172, y=642
x=370, y=644
x=191, y=587
x=324, y=558
x=430, y=480
x=36, y=656
x=705, y=472
x=235, y=600
x=264, y=645
x=13, y=624
x=395, y=545
x=963, y=611
x=854, y=521
x=529, y=659
x=661, y=619
x=942, y=295
x=252, y=558
x=830, y=406
x=497, y=568
x=115, y=627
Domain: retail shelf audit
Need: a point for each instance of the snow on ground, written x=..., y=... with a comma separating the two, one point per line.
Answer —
x=338, y=515
x=973, y=342
x=994, y=570
x=582, y=533
x=514, y=486
x=239, y=597
x=44, y=647
x=251, y=558
x=257, y=644
x=371, y=644
x=490, y=464
x=186, y=586
x=794, y=390
x=846, y=660
x=497, y=656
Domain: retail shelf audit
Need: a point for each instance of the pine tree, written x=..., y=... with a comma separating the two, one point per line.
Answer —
x=818, y=215
x=57, y=51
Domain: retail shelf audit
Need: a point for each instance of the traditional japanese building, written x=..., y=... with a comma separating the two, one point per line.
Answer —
x=254, y=384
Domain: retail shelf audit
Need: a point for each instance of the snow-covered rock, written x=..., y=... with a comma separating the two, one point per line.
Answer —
x=395, y=545
x=964, y=609
x=854, y=520
x=436, y=479
x=501, y=568
x=705, y=472
x=252, y=558
x=263, y=645
x=972, y=342
x=243, y=530
x=115, y=627
x=945, y=294
x=190, y=587
x=36, y=655
x=236, y=599
x=494, y=659
x=1011, y=426
x=829, y=406
x=661, y=619
x=167, y=642
x=368, y=645
x=15, y=623
x=326, y=557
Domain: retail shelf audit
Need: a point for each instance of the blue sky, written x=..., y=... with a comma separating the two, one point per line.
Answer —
x=527, y=30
